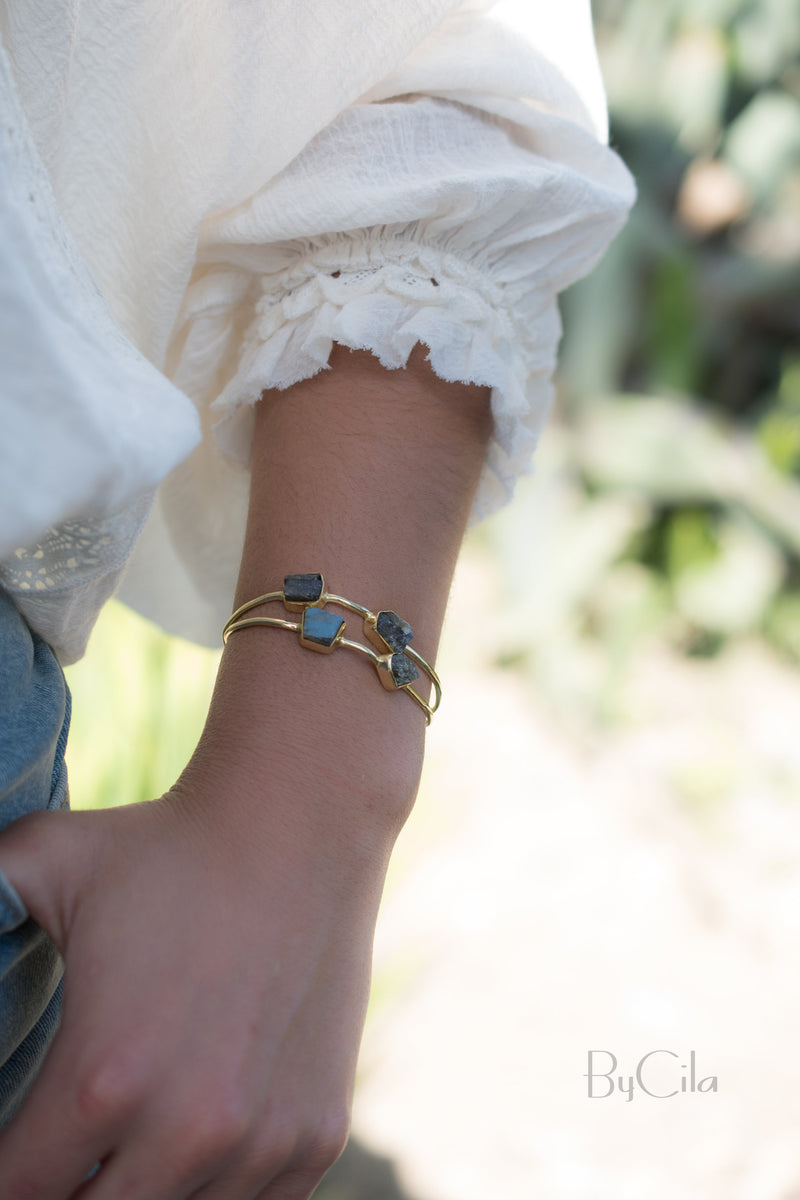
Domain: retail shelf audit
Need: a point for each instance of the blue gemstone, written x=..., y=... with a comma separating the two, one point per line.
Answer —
x=321, y=627
x=302, y=589
x=403, y=670
x=395, y=632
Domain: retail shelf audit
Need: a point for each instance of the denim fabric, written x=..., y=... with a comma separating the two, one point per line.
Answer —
x=34, y=721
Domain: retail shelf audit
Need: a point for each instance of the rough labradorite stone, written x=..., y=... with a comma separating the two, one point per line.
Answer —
x=403, y=670
x=302, y=589
x=396, y=632
x=320, y=626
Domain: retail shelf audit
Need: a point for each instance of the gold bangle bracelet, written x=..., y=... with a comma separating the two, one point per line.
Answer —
x=322, y=632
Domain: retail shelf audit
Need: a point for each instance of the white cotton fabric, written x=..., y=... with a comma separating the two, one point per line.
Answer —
x=248, y=183
x=77, y=478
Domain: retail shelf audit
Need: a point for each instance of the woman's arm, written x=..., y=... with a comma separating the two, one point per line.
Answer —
x=366, y=475
x=218, y=941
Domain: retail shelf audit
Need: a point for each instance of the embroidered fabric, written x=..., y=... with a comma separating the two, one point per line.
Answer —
x=60, y=583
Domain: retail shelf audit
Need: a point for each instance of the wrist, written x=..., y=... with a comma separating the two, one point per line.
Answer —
x=313, y=741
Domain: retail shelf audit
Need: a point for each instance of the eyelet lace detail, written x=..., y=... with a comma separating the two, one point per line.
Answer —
x=84, y=557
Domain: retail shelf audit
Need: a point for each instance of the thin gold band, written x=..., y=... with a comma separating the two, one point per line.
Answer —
x=277, y=623
x=384, y=663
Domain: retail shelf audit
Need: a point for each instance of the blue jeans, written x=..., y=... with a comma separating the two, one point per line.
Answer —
x=34, y=721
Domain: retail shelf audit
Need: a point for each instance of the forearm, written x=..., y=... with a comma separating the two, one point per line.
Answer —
x=368, y=476
x=218, y=940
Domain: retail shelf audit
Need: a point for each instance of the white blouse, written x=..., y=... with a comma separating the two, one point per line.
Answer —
x=198, y=200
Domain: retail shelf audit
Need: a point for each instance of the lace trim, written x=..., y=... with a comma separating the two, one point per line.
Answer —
x=75, y=552
x=385, y=297
x=53, y=562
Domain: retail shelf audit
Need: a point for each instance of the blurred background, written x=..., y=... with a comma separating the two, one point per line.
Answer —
x=605, y=854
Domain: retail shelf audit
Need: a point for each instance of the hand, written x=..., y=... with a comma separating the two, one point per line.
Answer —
x=215, y=990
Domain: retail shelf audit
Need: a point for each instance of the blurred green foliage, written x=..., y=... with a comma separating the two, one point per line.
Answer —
x=139, y=702
x=672, y=475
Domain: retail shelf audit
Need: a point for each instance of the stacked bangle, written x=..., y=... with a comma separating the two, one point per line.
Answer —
x=397, y=663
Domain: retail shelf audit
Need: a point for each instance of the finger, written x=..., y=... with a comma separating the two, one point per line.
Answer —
x=39, y=854
x=296, y=1182
x=164, y=1161
x=52, y=1143
x=282, y=1167
x=249, y=1185
x=292, y=1185
x=259, y=1179
x=89, y=1177
x=137, y=1173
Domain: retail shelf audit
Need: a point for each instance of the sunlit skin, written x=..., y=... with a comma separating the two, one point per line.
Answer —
x=218, y=939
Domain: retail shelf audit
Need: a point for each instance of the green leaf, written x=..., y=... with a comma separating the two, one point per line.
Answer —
x=691, y=540
x=674, y=325
x=763, y=143
x=730, y=593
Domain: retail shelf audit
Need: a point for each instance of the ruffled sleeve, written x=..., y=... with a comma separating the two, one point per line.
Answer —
x=449, y=207
x=422, y=221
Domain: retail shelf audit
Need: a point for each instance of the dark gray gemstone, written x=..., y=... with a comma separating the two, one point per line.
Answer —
x=403, y=670
x=302, y=589
x=320, y=626
x=396, y=632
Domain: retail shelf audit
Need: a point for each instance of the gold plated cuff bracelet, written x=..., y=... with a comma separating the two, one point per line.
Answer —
x=398, y=664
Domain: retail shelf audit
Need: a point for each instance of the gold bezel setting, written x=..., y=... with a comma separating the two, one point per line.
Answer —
x=300, y=591
x=320, y=630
